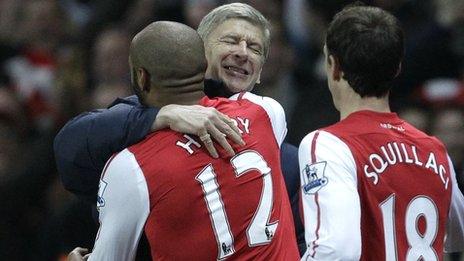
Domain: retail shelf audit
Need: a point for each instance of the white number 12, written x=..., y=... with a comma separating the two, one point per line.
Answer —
x=259, y=231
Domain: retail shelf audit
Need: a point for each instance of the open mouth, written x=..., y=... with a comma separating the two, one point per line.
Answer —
x=236, y=70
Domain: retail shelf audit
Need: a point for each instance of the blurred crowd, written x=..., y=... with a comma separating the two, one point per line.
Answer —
x=59, y=58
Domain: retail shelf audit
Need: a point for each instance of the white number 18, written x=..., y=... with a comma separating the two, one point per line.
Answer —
x=420, y=245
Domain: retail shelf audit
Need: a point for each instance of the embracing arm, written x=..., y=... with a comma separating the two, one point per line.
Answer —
x=86, y=142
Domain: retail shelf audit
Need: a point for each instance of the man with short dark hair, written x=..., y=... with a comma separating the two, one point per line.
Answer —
x=373, y=186
x=193, y=206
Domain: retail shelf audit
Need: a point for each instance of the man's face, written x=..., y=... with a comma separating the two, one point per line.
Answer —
x=235, y=54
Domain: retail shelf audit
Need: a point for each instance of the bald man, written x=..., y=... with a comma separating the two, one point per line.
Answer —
x=193, y=206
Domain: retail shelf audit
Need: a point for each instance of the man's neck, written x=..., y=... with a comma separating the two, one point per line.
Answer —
x=354, y=103
x=189, y=95
x=216, y=88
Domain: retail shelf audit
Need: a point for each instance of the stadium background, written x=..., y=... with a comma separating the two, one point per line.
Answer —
x=59, y=58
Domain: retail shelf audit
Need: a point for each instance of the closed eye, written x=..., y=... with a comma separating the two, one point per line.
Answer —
x=255, y=48
x=229, y=40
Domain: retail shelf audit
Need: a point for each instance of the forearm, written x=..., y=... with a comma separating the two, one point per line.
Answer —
x=78, y=171
x=86, y=142
x=163, y=118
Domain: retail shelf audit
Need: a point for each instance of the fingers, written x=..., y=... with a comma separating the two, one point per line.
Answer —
x=219, y=127
x=86, y=257
x=208, y=142
x=230, y=129
x=76, y=254
x=220, y=138
x=80, y=250
x=215, y=134
x=201, y=120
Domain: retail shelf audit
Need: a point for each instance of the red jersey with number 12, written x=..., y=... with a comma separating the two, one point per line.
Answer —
x=203, y=208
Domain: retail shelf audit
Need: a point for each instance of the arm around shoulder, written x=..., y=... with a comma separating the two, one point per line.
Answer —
x=86, y=142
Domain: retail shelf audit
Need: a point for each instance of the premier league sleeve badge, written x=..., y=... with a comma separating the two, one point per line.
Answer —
x=313, y=177
x=101, y=191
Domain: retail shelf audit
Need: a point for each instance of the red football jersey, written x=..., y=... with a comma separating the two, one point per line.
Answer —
x=195, y=207
x=378, y=185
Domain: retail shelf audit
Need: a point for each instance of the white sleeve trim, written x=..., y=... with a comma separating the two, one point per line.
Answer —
x=274, y=110
x=330, y=199
x=123, y=209
x=454, y=240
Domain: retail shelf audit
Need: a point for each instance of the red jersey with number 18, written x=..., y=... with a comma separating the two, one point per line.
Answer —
x=380, y=184
x=200, y=208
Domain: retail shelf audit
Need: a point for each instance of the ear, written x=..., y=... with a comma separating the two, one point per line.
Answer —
x=143, y=79
x=334, y=68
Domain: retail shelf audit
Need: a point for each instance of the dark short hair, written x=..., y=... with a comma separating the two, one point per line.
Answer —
x=367, y=42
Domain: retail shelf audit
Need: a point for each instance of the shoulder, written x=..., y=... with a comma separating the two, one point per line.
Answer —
x=273, y=109
x=321, y=145
x=345, y=128
x=438, y=143
x=123, y=160
x=154, y=143
x=132, y=100
x=321, y=138
x=269, y=104
x=122, y=176
x=322, y=157
x=424, y=139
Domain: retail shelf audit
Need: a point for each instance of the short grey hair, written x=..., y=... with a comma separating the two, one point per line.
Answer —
x=239, y=11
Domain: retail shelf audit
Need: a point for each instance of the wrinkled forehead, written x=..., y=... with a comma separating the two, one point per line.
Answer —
x=240, y=27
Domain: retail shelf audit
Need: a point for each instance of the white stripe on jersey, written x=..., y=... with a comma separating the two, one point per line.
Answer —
x=337, y=202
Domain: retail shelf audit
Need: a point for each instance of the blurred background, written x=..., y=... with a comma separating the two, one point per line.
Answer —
x=59, y=58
